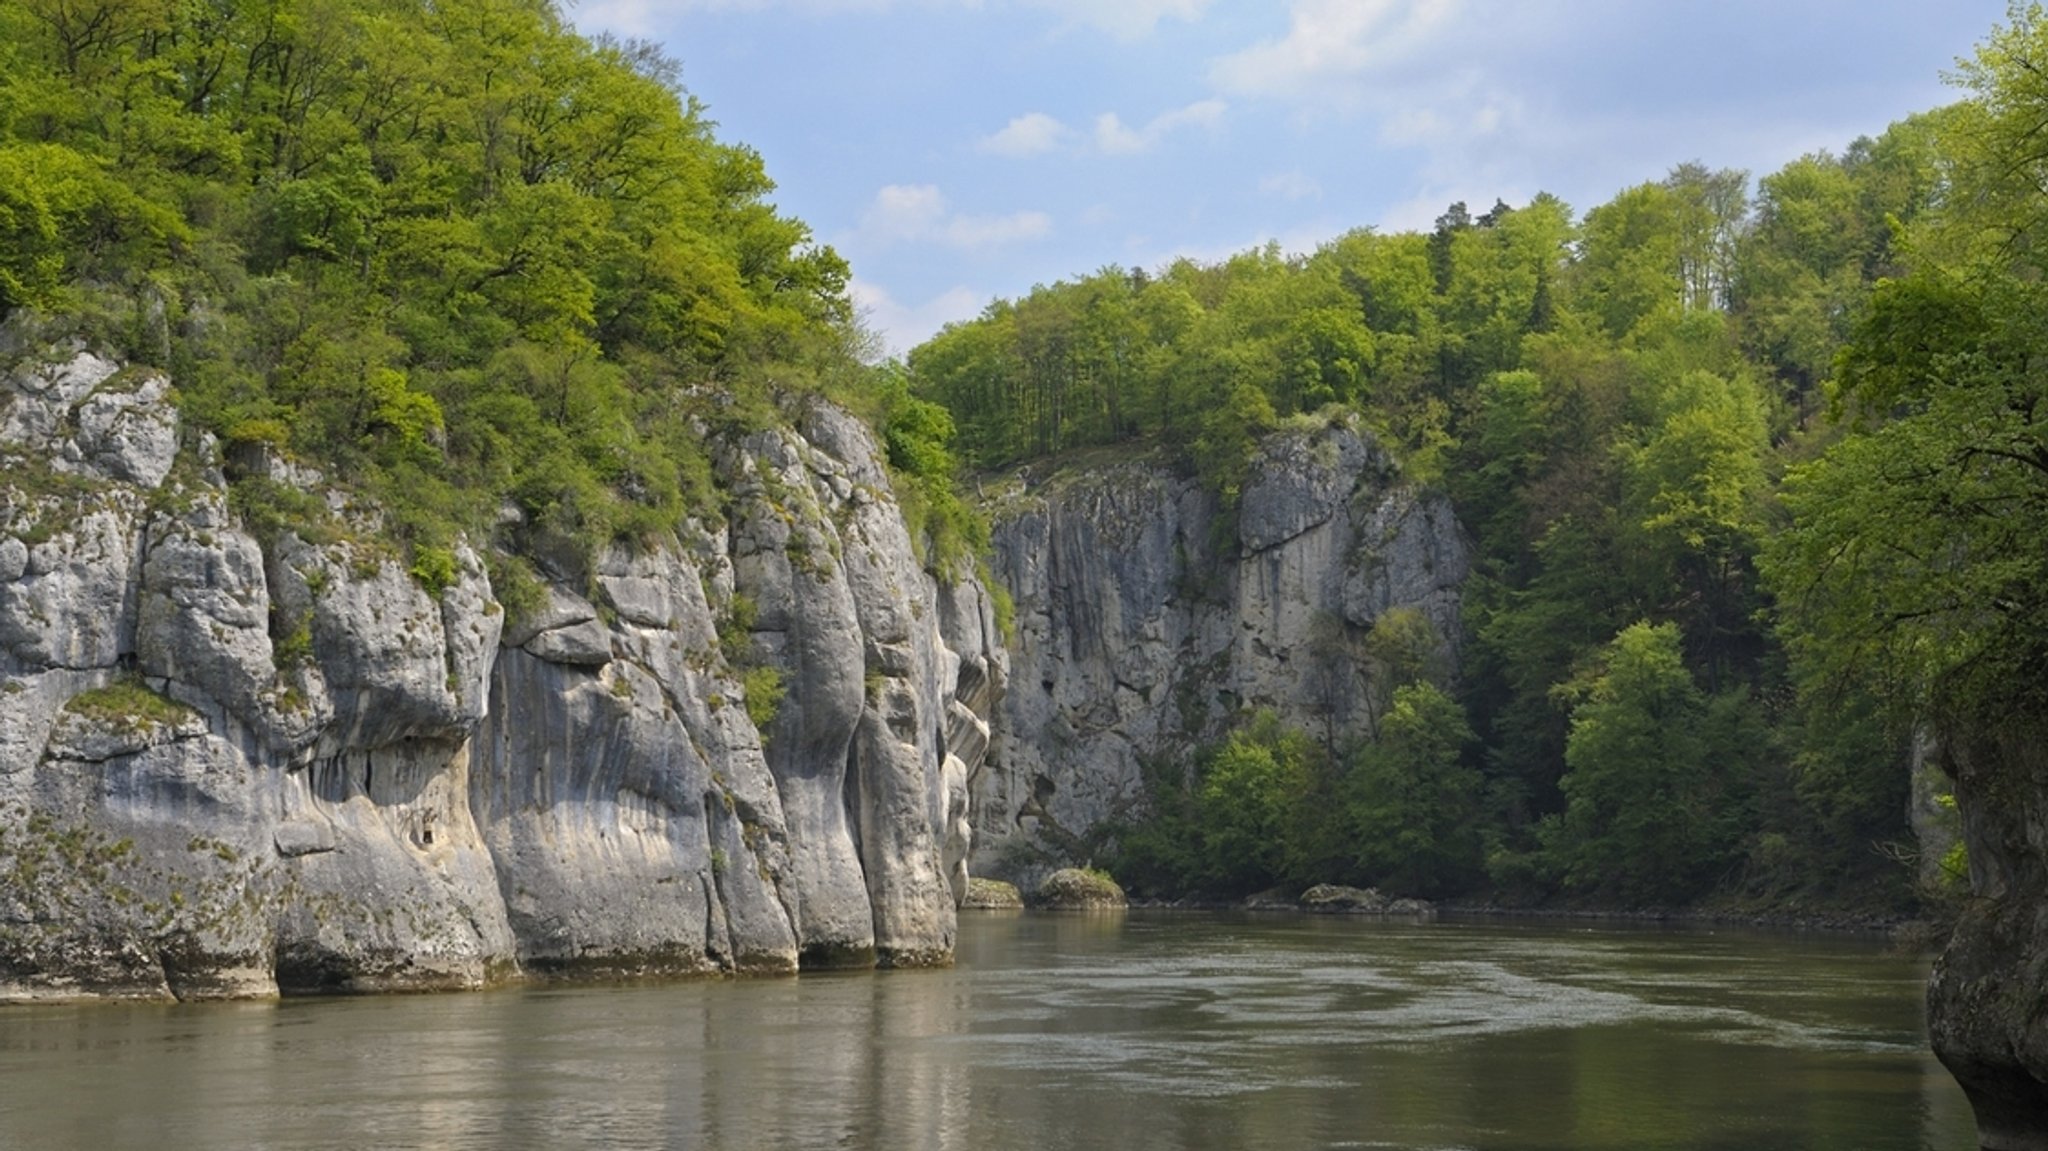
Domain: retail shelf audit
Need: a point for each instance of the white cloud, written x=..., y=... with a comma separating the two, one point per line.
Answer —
x=1124, y=19
x=1333, y=48
x=1295, y=185
x=1111, y=136
x=973, y=233
x=904, y=326
x=919, y=214
x=904, y=212
x=1116, y=138
x=1027, y=135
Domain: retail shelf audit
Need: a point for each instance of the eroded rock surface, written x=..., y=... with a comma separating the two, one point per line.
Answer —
x=233, y=766
x=1986, y=996
x=1147, y=621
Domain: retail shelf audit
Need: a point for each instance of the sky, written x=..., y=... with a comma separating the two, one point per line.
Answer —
x=955, y=151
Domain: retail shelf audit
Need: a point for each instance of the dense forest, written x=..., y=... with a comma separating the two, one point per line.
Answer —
x=1736, y=457
x=454, y=254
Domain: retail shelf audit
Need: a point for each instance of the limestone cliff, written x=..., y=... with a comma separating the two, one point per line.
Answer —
x=233, y=766
x=1147, y=619
x=1986, y=996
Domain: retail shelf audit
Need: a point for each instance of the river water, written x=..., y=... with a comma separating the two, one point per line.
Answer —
x=1152, y=1030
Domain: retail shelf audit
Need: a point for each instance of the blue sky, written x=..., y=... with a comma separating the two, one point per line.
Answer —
x=958, y=150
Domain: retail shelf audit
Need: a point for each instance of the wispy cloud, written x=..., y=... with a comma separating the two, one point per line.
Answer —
x=1333, y=48
x=1124, y=19
x=1115, y=137
x=1027, y=135
x=904, y=326
x=1295, y=185
x=919, y=214
x=1459, y=95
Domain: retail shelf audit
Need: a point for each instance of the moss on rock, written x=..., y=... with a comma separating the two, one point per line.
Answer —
x=1073, y=889
x=991, y=895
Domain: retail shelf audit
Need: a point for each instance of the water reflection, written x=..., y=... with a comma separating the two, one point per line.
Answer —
x=1072, y=1031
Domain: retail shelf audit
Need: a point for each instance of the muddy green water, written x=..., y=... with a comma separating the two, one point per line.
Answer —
x=1155, y=1030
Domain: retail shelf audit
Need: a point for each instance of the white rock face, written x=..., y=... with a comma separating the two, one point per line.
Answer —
x=234, y=767
x=1139, y=633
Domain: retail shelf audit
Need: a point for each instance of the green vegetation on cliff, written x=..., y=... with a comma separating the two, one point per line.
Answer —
x=454, y=254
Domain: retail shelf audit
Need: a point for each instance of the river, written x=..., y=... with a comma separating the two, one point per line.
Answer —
x=1149, y=1031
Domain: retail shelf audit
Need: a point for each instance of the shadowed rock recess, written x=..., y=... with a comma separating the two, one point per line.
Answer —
x=238, y=767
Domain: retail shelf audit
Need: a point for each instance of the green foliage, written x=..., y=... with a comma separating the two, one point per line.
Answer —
x=1657, y=783
x=735, y=632
x=126, y=705
x=918, y=436
x=1912, y=565
x=1412, y=805
x=1159, y=853
x=764, y=691
x=1955, y=862
x=1246, y=805
x=434, y=568
x=1206, y=359
x=518, y=588
x=1004, y=605
x=1406, y=649
x=457, y=259
x=270, y=509
x=46, y=192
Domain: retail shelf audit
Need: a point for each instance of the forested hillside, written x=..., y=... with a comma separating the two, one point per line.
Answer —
x=1614, y=402
x=455, y=254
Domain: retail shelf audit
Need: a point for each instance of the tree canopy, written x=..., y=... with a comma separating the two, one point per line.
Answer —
x=456, y=253
x=1613, y=401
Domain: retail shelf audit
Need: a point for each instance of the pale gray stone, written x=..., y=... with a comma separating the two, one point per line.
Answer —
x=129, y=434
x=378, y=786
x=297, y=837
x=1139, y=637
x=585, y=644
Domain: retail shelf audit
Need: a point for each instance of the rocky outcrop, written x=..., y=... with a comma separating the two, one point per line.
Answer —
x=1148, y=620
x=991, y=895
x=1986, y=994
x=233, y=766
x=1337, y=899
x=1074, y=889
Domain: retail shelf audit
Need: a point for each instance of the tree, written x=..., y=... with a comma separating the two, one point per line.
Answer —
x=1694, y=489
x=1650, y=816
x=1411, y=805
x=1630, y=269
x=1914, y=560
x=1713, y=207
x=1251, y=792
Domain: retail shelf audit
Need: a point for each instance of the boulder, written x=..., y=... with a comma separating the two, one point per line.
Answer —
x=991, y=895
x=1075, y=889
